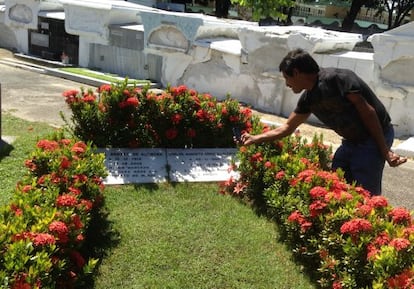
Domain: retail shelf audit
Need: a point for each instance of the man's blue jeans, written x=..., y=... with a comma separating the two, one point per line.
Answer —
x=363, y=163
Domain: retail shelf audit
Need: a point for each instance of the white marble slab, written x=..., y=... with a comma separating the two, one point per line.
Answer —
x=127, y=166
x=406, y=148
x=200, y=165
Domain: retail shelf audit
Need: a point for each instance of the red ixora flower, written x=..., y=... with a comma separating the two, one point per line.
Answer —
x=280, y=175
x=77, y=258
x=356, y=226
x=318, y=192
x=306, y=175
x=61, y=230
x=43, y=239
x=257, y=157
x=20, y=283
x=47, y=145
x=176, y=118
x=31, y=165
x=316, y=208
x=17, y=211
x=400, y=215
x=337, y=285
x=176, y=91
x=268, y=164
x=191, y=133
x=89, y=98
x=234, y=118
x=132, y=101
x=64, y=162
x=58, y=227
x=363, y=210
x=79, y=147
x=400, y=243
x=299, y=218
x=404, y=280
x=377, y=202
x=171, y=133
x=104, y=87
x=66, y=200
x=202, y=115
x=70, y=95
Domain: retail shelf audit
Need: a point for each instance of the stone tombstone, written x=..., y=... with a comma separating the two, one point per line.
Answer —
x=127, y=166
x=200, y=165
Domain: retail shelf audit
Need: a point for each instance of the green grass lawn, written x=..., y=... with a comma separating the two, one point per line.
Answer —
x=184, y=236
x=13, y=155
x=101, y=75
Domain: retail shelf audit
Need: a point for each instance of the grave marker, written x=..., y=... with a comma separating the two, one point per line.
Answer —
x=199, y=165
x=129, y=166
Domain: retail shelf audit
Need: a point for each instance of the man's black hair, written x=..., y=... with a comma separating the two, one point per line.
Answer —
x=298, y=59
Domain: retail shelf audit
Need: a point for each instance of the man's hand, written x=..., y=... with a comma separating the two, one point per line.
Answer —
x=247, y=139
x=395, y=160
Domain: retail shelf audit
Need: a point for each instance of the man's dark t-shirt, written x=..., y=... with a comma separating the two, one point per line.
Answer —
x=328, y=102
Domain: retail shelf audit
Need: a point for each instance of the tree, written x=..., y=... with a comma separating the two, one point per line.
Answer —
x=350, y=17
x=222, y=8
x=265, y=9
x=397, y=11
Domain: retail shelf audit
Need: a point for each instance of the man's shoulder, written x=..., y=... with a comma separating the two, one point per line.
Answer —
x=334, y=75
x=335, y=71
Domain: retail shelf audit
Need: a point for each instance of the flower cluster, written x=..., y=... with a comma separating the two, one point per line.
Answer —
x=354, y=240
x=43, y=229
x=125, y=116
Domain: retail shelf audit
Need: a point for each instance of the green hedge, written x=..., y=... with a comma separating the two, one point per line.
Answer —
x=346, y=238
x=43, y=229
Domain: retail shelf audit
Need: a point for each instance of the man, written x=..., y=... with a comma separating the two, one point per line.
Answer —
x=344, y=103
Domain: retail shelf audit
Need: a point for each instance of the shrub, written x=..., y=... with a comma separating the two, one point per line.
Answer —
x=125, y=116
x=43, y=228
x=346, y=238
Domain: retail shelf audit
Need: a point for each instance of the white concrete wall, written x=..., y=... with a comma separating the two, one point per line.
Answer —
x=247, y=67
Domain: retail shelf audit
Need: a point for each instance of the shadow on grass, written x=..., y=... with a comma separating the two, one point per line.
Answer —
x=101, y=238
x=5, y=149
x=308, y=262
x=150, y=187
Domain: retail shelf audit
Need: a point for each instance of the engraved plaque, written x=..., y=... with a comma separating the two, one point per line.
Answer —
x=200, y=165
x=128, y=166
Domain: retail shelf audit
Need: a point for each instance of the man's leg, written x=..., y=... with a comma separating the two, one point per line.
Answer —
x=363, y=163
x=367, y=166
x=341, y=160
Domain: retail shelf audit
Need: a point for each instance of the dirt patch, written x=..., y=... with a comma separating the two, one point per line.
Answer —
x=4, y=53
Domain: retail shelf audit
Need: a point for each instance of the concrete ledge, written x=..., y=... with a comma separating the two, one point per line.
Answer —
x=34, y=64
x=406, y=148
